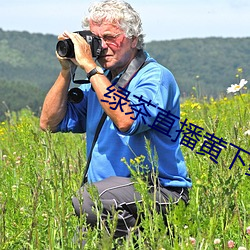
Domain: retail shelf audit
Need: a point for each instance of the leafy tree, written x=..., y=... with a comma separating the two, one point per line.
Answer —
x=17, y=95
x=29, y=67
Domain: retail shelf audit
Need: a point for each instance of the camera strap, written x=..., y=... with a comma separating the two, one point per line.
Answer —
x=136, y=64
x=97, y=132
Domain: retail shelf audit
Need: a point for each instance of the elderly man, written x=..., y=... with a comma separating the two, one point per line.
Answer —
x=140, y=98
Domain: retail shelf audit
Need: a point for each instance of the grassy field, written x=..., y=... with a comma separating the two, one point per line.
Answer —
x=40, y=172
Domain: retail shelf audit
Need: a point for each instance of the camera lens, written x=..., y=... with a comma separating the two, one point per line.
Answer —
x=65, y=48
x=75, y=95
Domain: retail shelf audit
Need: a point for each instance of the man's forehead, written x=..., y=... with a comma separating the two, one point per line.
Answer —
x=104, y=25
x=104, y=28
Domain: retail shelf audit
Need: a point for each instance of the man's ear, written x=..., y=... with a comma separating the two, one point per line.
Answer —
x=134, y=42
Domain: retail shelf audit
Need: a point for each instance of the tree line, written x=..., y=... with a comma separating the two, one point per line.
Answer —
x=202, y=67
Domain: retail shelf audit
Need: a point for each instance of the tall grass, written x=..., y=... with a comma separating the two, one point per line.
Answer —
x=40, y=172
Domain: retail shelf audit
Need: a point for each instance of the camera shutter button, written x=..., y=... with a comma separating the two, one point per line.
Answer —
x=96, y=70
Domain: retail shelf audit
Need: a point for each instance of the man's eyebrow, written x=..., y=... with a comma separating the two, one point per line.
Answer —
x=107, y=33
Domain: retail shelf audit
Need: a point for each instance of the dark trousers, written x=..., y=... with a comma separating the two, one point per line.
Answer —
x=119, y=194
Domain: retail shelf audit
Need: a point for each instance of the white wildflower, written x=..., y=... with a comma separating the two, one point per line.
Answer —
x=247, y=132
x=217, y=241
x=242, y=248
x=237, y=87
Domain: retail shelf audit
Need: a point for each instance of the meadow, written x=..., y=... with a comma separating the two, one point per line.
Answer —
x=40, y=172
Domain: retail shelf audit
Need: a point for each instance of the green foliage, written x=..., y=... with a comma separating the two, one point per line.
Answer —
x=14, y=95
x=36, y=184
x=208, y=64
x=40, y=172
x=28, y=68
x=211, y=59
x=28, y=57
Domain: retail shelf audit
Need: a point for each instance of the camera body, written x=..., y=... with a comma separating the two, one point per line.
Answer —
x=65, y=48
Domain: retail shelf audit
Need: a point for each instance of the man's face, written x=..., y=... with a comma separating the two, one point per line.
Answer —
x=118, y=50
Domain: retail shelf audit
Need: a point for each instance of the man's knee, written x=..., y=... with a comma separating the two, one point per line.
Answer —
x=77, y=206
x=84, y=205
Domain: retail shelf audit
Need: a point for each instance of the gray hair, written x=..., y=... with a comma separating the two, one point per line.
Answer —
x=119, y=12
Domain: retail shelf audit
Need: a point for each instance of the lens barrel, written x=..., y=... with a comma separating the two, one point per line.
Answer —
x=75, y=95
x=65, y=48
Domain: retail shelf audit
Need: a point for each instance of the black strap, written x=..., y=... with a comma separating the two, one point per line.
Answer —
x=136, y=64
x=97, y=132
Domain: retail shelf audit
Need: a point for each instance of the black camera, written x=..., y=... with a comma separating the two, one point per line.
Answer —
x=65, y=48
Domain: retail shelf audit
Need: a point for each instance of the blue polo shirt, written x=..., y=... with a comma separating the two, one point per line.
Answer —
x=154, y=96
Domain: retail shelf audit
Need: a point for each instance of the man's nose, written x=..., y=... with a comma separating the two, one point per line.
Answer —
x=104, y=44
